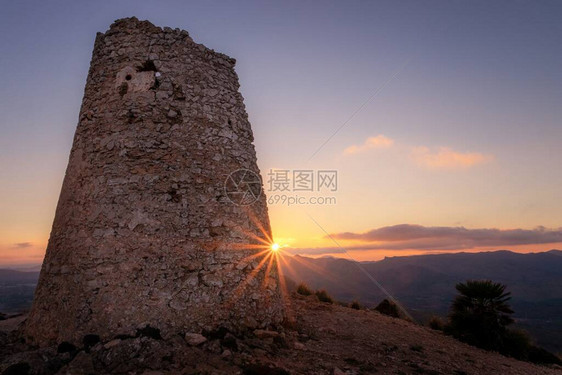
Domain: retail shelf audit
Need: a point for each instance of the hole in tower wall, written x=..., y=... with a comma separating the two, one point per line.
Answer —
x=147, y=66
x=128, y=77
x=174, y=196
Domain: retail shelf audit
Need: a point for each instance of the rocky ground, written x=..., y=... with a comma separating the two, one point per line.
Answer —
x=324, y=339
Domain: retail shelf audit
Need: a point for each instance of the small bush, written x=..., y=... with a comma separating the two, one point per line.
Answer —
x=516, y=344
x=389, y=308
x=355, y=305
x=323, y=296
x=542, y=356
x=304, y=290
x=436, y=323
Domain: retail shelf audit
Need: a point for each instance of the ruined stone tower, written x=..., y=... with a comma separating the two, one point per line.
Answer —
x=144, y=234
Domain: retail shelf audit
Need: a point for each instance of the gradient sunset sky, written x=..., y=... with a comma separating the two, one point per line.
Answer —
x=443, y=119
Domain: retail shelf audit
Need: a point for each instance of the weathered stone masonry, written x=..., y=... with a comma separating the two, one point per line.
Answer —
x=143, y=232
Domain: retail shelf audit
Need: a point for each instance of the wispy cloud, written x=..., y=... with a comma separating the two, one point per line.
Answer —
x=380, y=141
x=409, y=236
x=22, y=245
x=446, y=158
x=439, y=158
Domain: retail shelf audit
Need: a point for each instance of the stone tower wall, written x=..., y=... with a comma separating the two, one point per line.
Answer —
x=144, y=233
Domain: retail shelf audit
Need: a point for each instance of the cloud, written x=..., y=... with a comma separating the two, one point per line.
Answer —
x=440, y=158
x=446, y=158
x=22, y=245
x=380, y=141
x=408, y=236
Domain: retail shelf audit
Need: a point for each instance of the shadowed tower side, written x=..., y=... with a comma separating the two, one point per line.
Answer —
x=144, y=233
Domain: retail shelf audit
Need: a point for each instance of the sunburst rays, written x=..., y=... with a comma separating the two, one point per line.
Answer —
x=264, y=261
x=267, y=261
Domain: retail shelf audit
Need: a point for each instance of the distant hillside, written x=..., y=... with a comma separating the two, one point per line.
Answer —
x=11, y=277
x=16, y=290
x=425, y=284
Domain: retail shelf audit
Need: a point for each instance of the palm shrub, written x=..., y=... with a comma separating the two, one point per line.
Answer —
x=480, y=314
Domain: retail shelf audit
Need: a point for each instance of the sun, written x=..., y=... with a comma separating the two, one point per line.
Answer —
x=274, y=247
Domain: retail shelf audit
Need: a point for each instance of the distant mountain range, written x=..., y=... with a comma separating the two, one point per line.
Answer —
x=425, y=284
x=16, y=290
